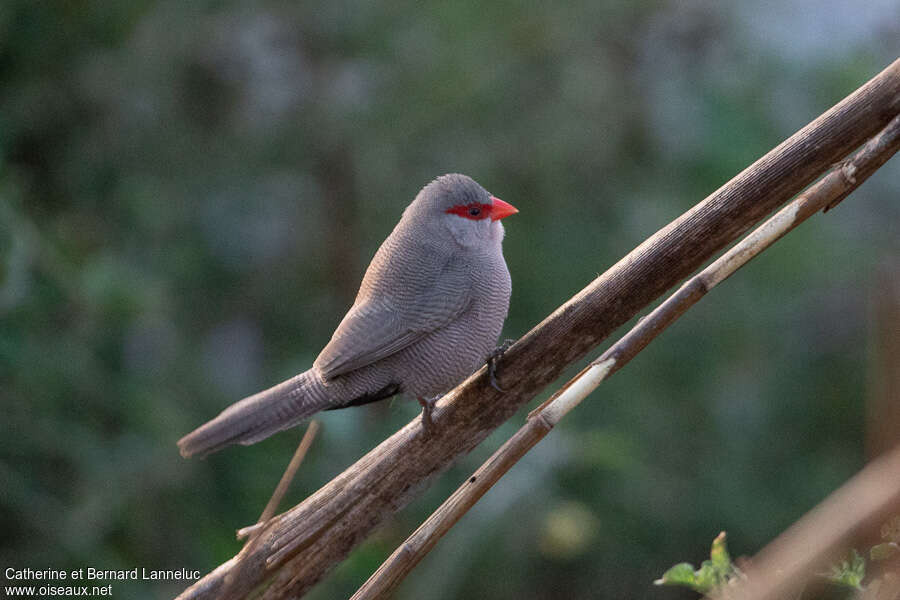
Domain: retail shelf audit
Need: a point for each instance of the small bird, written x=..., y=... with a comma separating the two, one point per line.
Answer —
x=429, y=311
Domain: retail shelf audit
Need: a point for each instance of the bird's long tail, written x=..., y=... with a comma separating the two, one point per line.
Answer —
x=258, y=416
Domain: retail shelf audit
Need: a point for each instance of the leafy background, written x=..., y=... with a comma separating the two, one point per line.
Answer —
x=190, y=192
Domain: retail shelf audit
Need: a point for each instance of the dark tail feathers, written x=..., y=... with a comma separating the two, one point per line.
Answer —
x=255, y=418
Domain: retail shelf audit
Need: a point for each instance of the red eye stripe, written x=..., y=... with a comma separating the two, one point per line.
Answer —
x=474, y=211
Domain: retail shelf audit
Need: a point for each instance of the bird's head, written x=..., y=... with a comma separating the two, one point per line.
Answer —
x=455, y=207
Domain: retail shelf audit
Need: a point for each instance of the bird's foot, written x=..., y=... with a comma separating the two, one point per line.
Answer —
x=427, y=405
x=492, y=359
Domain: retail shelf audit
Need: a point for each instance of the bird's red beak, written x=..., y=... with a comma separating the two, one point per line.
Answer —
x=501, y=209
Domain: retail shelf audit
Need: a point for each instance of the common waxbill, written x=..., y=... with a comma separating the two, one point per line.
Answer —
x=429, y=311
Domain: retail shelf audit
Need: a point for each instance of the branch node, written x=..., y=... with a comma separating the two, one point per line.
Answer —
x=848, y=170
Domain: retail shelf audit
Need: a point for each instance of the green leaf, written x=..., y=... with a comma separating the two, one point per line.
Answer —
x=718, y=554
x=848, y=573
x=680, y=574
x=890, y=531
x=707, y=578
x=715, y=572
x=883, y=551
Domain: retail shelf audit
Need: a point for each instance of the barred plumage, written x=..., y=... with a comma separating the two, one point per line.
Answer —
x=429, y=311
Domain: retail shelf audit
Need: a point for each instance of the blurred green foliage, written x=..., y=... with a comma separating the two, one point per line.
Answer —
x=190, y=192
x=719, y=577
x=711, y=577
x=848, y=573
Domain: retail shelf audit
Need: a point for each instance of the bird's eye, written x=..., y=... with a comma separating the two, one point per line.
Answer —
x=473, y=211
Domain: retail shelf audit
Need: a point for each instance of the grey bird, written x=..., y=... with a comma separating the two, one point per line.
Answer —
x=429, y=311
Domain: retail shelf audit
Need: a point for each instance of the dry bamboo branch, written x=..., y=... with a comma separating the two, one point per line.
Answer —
x=298, y=547
x=826, y=193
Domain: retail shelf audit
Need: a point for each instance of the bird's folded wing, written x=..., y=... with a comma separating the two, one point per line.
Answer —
x=386, y=323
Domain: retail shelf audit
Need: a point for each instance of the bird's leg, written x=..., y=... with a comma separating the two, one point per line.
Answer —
x=492, y=359
x=427, y=405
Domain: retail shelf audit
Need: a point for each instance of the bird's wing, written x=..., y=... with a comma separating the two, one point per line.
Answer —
x=387, y=322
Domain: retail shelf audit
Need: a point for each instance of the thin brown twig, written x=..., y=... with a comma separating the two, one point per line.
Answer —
x=825, y=194
x=229, y=590
x=285, y=482
x=298, y=547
